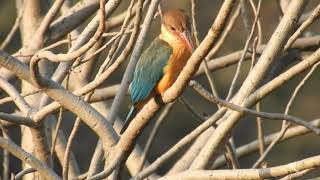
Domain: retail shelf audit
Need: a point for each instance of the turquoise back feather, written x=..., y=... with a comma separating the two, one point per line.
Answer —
x=148, y=72
x=149, y=69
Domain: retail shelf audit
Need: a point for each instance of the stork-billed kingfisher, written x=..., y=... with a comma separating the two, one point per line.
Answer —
x=161, y=63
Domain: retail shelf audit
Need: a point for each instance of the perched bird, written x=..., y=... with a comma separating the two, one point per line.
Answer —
x=161, y=63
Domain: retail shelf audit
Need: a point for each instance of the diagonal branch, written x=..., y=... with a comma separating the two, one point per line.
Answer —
x=264, y=173
x=26, y=157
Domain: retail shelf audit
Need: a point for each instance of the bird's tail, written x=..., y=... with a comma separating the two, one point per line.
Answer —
x=129, y=118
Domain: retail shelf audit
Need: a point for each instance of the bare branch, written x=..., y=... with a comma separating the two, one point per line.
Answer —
x=272, y=116
x=24, y=172
x=263, y=173
x=24, y=156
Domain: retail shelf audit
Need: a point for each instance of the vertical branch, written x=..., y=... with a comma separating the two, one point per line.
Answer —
x=245, y=15
x=96, y=161
x=196, y=36
x=68, y=148
x=54, y=138
x=31, y=17
x=33, y=139
x=260, y=131
x=48, y=18
x=60, y=148
x=115, y=46
x=6, y=155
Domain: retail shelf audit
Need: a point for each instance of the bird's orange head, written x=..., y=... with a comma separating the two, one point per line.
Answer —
x=176, y=28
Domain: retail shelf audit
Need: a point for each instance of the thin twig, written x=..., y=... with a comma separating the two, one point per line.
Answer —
x=56, y=131
x=260, y=131
x=225, y=33
x=297, y=174
x=192, y=109
x=136, y=52
x=96, y=161
x=25, y=94
x=205, y=64
x=314, y=16
x=28, y=158
x=236, y=76
x=13, y=30
x=285, y=125
x=24, y=172
x=272, y=116
x=34, y=69
x=255, y=77
x=6, y=155
x=65, y=166
x=153, y=133
x=253, y=146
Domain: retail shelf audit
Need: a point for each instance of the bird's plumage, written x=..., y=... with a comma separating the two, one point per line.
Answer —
x=161, y=63
x=150, y=69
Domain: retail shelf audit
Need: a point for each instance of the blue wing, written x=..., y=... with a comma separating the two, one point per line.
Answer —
x=149, y=69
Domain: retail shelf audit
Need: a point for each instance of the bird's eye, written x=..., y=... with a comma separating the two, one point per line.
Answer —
x=172, y=28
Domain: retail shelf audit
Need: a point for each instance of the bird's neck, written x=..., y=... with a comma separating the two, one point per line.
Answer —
x=176, y=44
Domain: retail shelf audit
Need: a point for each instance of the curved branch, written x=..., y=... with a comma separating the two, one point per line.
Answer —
x=34, y=69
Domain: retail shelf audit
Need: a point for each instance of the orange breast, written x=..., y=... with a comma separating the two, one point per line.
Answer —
x=175, y=65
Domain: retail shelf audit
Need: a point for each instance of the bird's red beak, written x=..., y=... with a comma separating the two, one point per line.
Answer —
x=186, y=39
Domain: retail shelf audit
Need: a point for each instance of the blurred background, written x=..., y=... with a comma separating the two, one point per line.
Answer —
x=180, y=121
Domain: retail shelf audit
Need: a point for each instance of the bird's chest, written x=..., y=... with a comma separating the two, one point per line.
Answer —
x=172, y=70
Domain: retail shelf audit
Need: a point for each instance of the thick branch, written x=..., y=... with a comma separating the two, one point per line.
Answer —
x=264, y=173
